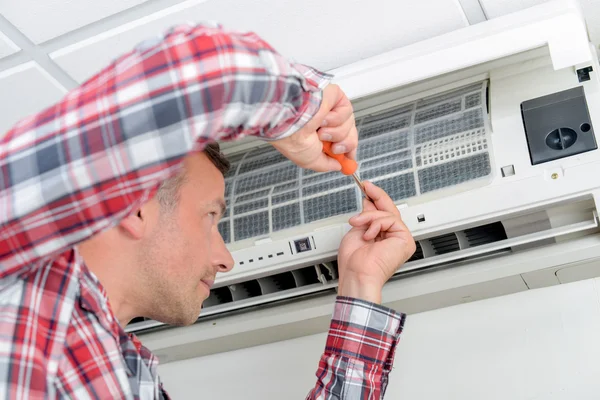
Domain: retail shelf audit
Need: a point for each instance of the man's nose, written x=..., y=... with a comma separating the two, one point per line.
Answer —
x=221, y=255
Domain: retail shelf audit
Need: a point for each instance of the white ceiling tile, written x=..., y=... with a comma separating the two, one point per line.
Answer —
x=7, y=47
x=25, y=90
x=42, y=20
x=497, y=8
x=323, y=33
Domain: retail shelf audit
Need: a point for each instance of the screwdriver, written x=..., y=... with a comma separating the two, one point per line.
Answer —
x=349, y=166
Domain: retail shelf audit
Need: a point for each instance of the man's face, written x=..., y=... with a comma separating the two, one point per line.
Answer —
x=183, y=250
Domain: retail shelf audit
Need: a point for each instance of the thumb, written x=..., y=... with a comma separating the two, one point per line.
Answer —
x=368, y=206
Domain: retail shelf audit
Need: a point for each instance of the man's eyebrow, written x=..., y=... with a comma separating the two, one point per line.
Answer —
x=223, y=207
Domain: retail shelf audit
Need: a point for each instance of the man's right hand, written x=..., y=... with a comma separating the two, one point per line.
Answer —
x=334, y=122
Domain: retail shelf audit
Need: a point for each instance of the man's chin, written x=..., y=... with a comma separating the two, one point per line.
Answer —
x=184, y=317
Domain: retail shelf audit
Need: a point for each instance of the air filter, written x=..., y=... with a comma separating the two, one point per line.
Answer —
x=434, y=143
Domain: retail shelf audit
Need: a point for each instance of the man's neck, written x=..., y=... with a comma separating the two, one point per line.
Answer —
x=108, y=270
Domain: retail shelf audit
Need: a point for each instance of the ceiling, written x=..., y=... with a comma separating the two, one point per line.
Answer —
x=50, y=46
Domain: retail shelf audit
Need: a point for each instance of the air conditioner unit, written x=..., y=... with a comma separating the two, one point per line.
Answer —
x=485, y=138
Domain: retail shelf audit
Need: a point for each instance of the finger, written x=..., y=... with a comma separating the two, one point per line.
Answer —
x=349, y=145
x=380, y=198
x=388, y=224
x=368, y=206
x=338, y=133
x=366, y=217
x=352, y=153
x=341, y=107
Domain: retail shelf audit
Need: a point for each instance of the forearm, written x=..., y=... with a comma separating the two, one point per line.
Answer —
x=359, y=352
x=80, y=166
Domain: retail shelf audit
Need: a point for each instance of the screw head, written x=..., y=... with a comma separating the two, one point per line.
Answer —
x=554, y=176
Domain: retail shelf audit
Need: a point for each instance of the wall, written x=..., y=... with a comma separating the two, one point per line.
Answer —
x=539, y=344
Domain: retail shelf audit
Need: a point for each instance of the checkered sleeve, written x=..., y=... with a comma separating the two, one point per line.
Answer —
x=359, y=352
x=80, y=166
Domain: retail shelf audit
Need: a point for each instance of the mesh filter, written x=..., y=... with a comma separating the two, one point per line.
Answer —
x=438, y=111
x=383, y=145
x=251, y=225
x=472, y=100
x=398, y=187
x=286, y=216
x=430, y=144
x=224, y=230
x=389, y=114
x=454, y=172
x=384, y=126
x=336, y=203
x=466, y=121
x=285, y=187
x=252, y=196
x=382, y=161
x=386, y=170
x=448, y=95
x=266, y=179
x=247, y=207
x=261, y=162
x=312, y=179
x=327, y=186
x=285, y=197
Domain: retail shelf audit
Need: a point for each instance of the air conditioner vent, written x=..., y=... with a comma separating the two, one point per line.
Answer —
x=445, y=244
x=485, y=234
x=418, y=253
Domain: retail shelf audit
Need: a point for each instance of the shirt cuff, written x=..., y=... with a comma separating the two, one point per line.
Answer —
x=313, y=82
x=365, y=331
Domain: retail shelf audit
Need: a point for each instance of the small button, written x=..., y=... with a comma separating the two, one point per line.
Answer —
x=302, y=245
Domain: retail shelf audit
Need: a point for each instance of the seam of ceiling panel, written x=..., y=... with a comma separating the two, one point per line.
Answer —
x=98, y=30
x=473, y=10
x=29, y=51
x=34, y=53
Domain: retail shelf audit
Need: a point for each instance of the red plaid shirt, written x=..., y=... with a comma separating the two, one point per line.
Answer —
x=80, y=166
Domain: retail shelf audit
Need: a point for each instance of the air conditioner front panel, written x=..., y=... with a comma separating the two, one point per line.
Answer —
x=436, y=145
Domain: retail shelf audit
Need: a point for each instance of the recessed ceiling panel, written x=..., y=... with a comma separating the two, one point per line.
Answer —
x=322, y=33
x=498, y=8
x=7, y=47
x=435, y=143
x=23, y=91
x=42, y=20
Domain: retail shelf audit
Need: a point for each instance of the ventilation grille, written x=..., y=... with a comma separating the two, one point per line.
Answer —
x=485, y=234
x=321, y=277
x=431, y=144
x=445, y=244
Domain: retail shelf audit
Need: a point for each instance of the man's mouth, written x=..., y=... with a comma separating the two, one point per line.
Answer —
x=208, y=282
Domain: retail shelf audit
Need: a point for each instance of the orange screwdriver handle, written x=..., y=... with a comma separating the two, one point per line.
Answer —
x=349, y=165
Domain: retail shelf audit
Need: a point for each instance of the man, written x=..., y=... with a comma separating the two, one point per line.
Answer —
x=110, y=202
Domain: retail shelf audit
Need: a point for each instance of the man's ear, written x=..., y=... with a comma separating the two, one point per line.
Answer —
x=134, y=225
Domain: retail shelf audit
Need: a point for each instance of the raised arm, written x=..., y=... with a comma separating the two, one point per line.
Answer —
x=363, y=335
x=83, y=164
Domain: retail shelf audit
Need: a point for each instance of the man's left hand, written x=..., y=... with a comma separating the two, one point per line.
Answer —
x=373, y=250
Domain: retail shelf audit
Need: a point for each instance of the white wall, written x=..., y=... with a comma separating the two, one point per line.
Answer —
x=539, y=344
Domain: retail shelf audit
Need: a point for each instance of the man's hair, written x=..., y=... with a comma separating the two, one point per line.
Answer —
x=168, y=192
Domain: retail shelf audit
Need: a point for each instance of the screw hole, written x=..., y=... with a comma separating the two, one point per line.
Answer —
x=585, y=127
